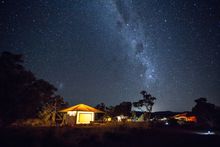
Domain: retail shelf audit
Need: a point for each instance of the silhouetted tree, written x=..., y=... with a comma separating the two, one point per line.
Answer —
x=49, y=111
x=22, y=95
x=101, y=107
x=205, y=112
x=110, y=111
x=123, y=108
x=101, y=116
x=147, y=102
x=201, y=100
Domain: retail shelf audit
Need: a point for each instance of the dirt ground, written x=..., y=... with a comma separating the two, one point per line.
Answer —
x=104, y=136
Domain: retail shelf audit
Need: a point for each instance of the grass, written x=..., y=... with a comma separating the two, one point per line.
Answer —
x=104, y=135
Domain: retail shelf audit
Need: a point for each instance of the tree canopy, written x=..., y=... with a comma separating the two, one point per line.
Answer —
x=147, y=102
x=22, y=94
x=123, y=108
x=206, y=112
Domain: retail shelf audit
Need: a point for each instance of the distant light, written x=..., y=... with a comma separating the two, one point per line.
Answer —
x=206, y=133
x=166, y=123
x=163, y=119
x=119, y=118
x=109, y=119
x=210, y=133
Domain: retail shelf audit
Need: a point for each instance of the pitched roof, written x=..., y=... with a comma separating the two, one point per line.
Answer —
x=81, y=107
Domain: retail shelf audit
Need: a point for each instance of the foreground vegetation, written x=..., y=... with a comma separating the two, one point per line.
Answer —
x=108, y=135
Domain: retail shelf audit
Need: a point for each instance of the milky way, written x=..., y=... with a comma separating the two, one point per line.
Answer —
x=131, y=29
x=108, y=51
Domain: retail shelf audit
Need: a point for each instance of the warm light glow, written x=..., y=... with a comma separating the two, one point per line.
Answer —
x=71, y=113
x=185, y=117
x=84, y=117
x=163, y=119
x=121, y=117
x=191, y=119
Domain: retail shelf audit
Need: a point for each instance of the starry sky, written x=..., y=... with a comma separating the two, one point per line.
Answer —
x=109, y=50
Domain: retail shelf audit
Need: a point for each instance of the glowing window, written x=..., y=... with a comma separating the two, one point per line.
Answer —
x=85, y=117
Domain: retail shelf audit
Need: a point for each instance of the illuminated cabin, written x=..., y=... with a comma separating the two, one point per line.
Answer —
x=80, y=114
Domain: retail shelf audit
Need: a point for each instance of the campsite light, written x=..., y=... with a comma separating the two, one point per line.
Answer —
x=163, y=119
x=206, y=133
x=71, y=113
x=210, y=133
x=109, y=119
x=119, y=118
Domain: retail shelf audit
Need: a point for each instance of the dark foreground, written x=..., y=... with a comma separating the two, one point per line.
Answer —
x=105, y=136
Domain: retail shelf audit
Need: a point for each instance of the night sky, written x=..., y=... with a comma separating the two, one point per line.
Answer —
x=109, y=50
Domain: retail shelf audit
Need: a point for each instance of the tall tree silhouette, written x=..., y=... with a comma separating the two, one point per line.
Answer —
x=147, y=102
x=22, y=94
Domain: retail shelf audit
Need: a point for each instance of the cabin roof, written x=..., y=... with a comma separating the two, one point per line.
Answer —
x=81, y=107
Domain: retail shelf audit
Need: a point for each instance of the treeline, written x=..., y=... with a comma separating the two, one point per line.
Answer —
x=125, y=108
x=207, y=114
